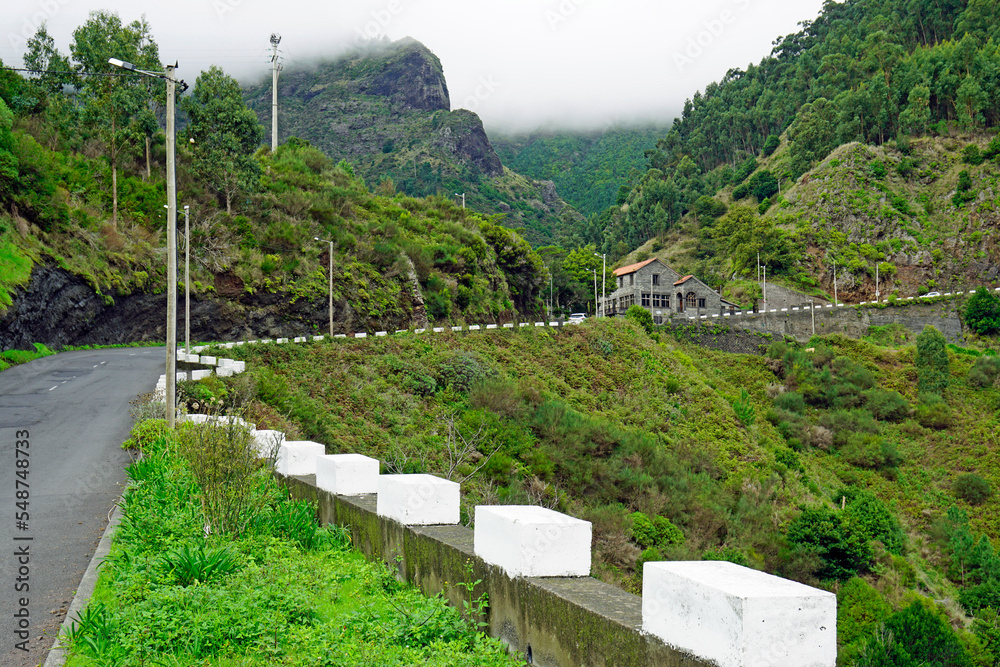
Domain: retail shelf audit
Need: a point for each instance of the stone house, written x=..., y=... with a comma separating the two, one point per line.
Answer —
x=664, y=292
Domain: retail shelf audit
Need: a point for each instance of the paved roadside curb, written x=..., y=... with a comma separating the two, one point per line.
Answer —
x=57, y=654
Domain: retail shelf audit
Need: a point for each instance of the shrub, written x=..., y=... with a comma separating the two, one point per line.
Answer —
x=982, y=312
x=932, y=362
x=146, y=433
x=922, y=637
x=985, y=371
x=972, y=488
x=936, y=415
x=821, y=530
x=195, y=563
x=872, y=517
x=640, y=316
x=871, y=452
x=860, y=608
x=886, y=404
x=655, y=532
x=461, y=370
x=792, y=401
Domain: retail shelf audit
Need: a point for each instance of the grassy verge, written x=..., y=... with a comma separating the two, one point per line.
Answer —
x=15, y=357
x=213, y=565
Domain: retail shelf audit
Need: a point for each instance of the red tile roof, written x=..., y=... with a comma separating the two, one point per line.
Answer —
x=684, y=279
x=632, y=268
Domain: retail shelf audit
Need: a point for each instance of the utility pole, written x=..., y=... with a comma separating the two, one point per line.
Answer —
x=595, y=293
x=187, y=280
x=316, y=238
x=876, y=282
x=275, y=40
x=765, y=288
x=171, y=388
x=604, y=294
x=835, y=302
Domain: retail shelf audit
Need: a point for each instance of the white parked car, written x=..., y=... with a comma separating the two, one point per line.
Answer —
x=929, y=295
x=576, y=318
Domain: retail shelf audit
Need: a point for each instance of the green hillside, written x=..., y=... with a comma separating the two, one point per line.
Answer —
x=385, y=108
x=588, y=168
x=860, y=466
x=865, y=138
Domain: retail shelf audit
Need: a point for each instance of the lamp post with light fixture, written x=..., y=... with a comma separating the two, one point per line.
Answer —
x=604, y=271
x=316, y=238
x=170, y=397
x=463, y=199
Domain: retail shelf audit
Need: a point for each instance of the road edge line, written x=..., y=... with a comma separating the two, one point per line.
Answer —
x=57, y=654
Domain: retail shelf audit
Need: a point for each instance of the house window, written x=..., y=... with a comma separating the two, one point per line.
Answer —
x=621, y=282
x=645, y=300
x=656, y=278
x=631, y=279
x=656, y=301
x=701, y=303
x=665, y=301
x=691, y=300
x=658, y=319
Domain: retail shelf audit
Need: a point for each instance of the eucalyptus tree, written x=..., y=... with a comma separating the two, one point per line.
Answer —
x=117, y=107
x=224, y=135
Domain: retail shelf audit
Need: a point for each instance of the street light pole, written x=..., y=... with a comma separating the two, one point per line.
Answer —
x=316, y=238
x=463, y=199
x=170, y=398
x=171, y=252
x=595, y=293
x=187, y=280
x=604, y=272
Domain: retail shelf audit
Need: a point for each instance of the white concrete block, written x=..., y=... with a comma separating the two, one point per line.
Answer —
x=198, y=375
x=299, y=339
x=456, y=328
x=419, y=331
x=281, y=341
x=347, y=474
x=739, y=617
x=379, y=334
x=438, y=329
x=523, y=324
x=475, y=327
x=182, y=376
x=340, y=336
x=316, y=339
x=267, y=442
x=361, y=335
x=206, y=360
x=225, y=363
x=226, y=372
x=298, y=457
x=490, y=326
x=418, y=500
x=266, y=340
x=229, y=346
x=239, y=366
x=539, y=324
x=531, y=541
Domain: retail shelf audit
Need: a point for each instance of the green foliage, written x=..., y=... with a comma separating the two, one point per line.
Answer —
x=914, y=636
x=972, y=488
x=657, y=532
x=770, y=144
x=872, y=518
x=844, y=550
x=985, y=371
x=194, y=562
x=932, y=362
x=640, y=316
x=860, y=610
x=886, y=404
x=145, y=433
x=746, y=413
x=982, y=312
x=462, y=370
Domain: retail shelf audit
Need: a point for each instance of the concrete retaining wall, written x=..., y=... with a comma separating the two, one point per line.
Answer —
x=547, y=620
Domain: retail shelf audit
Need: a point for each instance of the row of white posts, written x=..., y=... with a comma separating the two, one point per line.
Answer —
x=715, y=610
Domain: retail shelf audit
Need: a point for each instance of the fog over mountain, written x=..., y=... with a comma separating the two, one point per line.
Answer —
x=519, y=64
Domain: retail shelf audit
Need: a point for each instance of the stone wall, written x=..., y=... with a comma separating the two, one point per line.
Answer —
x=852, y=321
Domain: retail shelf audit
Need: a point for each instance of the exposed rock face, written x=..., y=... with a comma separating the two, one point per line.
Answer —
x=412, y=79
x=386, y=108
x=58, y=308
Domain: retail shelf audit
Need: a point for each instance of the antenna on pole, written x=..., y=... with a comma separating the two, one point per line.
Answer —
x=275, y=66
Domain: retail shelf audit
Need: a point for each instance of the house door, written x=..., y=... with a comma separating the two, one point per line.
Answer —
x=680, y=302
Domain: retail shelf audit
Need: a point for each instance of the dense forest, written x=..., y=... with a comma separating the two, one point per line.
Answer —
x=878, y=72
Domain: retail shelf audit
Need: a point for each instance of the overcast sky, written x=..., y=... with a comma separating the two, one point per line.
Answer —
x=520, y=64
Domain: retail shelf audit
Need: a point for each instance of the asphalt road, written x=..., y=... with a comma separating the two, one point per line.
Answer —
x=67, y=415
